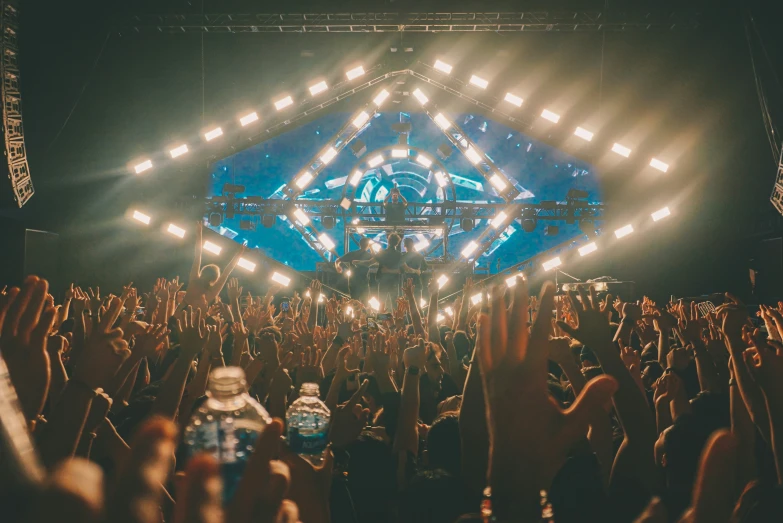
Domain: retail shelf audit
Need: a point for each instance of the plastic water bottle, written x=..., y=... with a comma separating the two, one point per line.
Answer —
x=307, y=420
x=227, y=425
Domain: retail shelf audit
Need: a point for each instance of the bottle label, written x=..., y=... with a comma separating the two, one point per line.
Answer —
x=311, y=443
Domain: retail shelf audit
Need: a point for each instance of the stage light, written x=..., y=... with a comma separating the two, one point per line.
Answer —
x=449, y=311
x=246, y=264
x=321, y=297
x=141, y=217
x=374, y=303
x=469, y=249
x=178, y=151
x=268, y=220
x=285, y=281
x=551, y=264
x=551, y=230
x=215, y=219
x=326, y=241
x=621, y=150
x=587, y=249
x=584, y=134
x=422, y=302
x=442, y=121
x=356, y=72
x=356, y=178
x=442, y=280
x=360, y=230
x=318, y=88
x=513, y=99
x=660, y=214
x=479, y=82
x=423, y=160
x=529, y=224
x=307, y=293
x=375, y=161
x=380, y=98
x=328, y=155
x=498, y=182
x=624, y=231
x=421, y=97
x=466, y=224
x=345, y=203
x=328, y=222
x=349, y=311
x=472, y=155
x=443, y=67
x=376, y=247
x=399, y=153
x=499, y=219
x=176, y=231
x=214, y=133
x=439, y=318
x=549, y=115
x=441, y=179
x=283, y=103
x=348, y=273
x=423, y=244
x=211, y=247
x=361, y=119
x=304, y=180
x=301, y=216
x=143, y=166
x=657, y=164
x=510, y=282
x=476, y=298
x=248, y=119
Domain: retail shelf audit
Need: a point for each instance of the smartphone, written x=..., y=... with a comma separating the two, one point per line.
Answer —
x=372, y=325
x=140, y=311
x=385, y=316
x=285, y=306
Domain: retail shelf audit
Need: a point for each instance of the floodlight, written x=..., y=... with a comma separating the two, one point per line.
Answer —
x=423, y=160
x=356, y=178
x=549, y=115
x=441, y=179
x=472, y=155
x=621, y=150
x=360, y=230
x=248, y=119
x=374, y=303
x=476, y=298
x=657, y=164
x=301, y=216
x=510, y=282
x=328, y=155
x=442, y=280
x=551, y=264
x=399, y=153
x=356, y=72
x=283, y=103
x=348, y=273
x=513, y=99
x=304, y=180
x=423, y=244
x=211, y=247
x=498, y=182
x=375, y=161
x=479, y=82
x=361, y=119
x=279, y=278
x=624, y=231
x=442, y=67
x=318, y=88
x=381, y=97
x=449, y=311
x=141, y=217
x=178, y=151
x=442, y=121
x=422, y=302
x=469, y=249
x=143, y=166
x=499, y=219
x=214, y=133
x=584, y=134
x=660, y=214
x=246, y=264
x=349, y=310
x=345, y=203
x=421, y=97
x=176, y=231
x=587, y=249
x=439, y=318
x=321, y=297
x=326, y=241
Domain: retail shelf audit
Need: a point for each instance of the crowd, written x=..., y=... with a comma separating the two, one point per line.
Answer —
x=573, y=408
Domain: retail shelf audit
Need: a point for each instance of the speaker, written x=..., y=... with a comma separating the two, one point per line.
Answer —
x=29, y=251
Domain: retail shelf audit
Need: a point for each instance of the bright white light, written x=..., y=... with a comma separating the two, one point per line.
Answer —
x=143, y=166
x=326, y=241
x=321, y=298
x=328, y=155
x=423, y=160
x=510, y=282
x=381, y=97
x=214, y=133
x=584, y=134
x=439, y=318
x=551, y=264
x=375, y=161
x=356, y=72
x=279, y=278
x=449, y=311
x=176, y=231
x=476, y=298
x=660, y=214
x=421, y=97
x=499, y=219
x=141, y=217
x=399, y=153
x=472, y=155
x=498, y=182
x=304, y=180
x=349, y=310
x=423, y=244
x=479, y=82
x=469, y=249
x=441, y=179
x=624, y=231
x=442, y=121
x=361, y=119
x=348, y=273
x=345, y=203
x=621, y=150
x=587, y=249
x=248, y=119
x=318, y=88
x=301, y=216
x=211, y=247
x=513, y=99
x=549, y=115
x=376, y=247
x=178, y=151
x=374, y=303
x=360, y=230
x=246, y=264
x=356, y=178
x=442, y=67
x=442, y=280
x=657, y=164
x=283, y=103
x=422, y=302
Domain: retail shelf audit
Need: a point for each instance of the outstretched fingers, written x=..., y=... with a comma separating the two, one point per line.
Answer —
x=596, y=398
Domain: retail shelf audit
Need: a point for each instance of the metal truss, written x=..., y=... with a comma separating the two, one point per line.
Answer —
x=777, y=190
x=524, y=21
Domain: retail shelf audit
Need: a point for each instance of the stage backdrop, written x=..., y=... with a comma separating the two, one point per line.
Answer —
x=541, y=173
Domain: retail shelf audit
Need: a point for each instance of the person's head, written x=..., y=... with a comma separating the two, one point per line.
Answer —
x=371, y=477
x=408, y=243
x=394, y=241
x=395, y=194
x=364, y=243
x=433, y=496
x=443, y=444
x=208, y=275
x=650, y=374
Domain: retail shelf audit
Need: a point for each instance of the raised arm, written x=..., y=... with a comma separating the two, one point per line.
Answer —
x=461, y=319
x=225, y=273
x=432, y=313
x=407, y=288
x=195, y=269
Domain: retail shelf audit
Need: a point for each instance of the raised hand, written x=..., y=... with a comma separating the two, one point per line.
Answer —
x=407, y=287
x=592, y=326
x=234, y=290
x=192, y=331
x=95, y=299
x=173, y=288
x=149, y=342
x=310, y=369
x=415, y=356
x=349, y=419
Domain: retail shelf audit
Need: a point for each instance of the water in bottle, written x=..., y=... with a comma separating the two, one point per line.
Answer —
x=307, y=420
x=227, y=425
